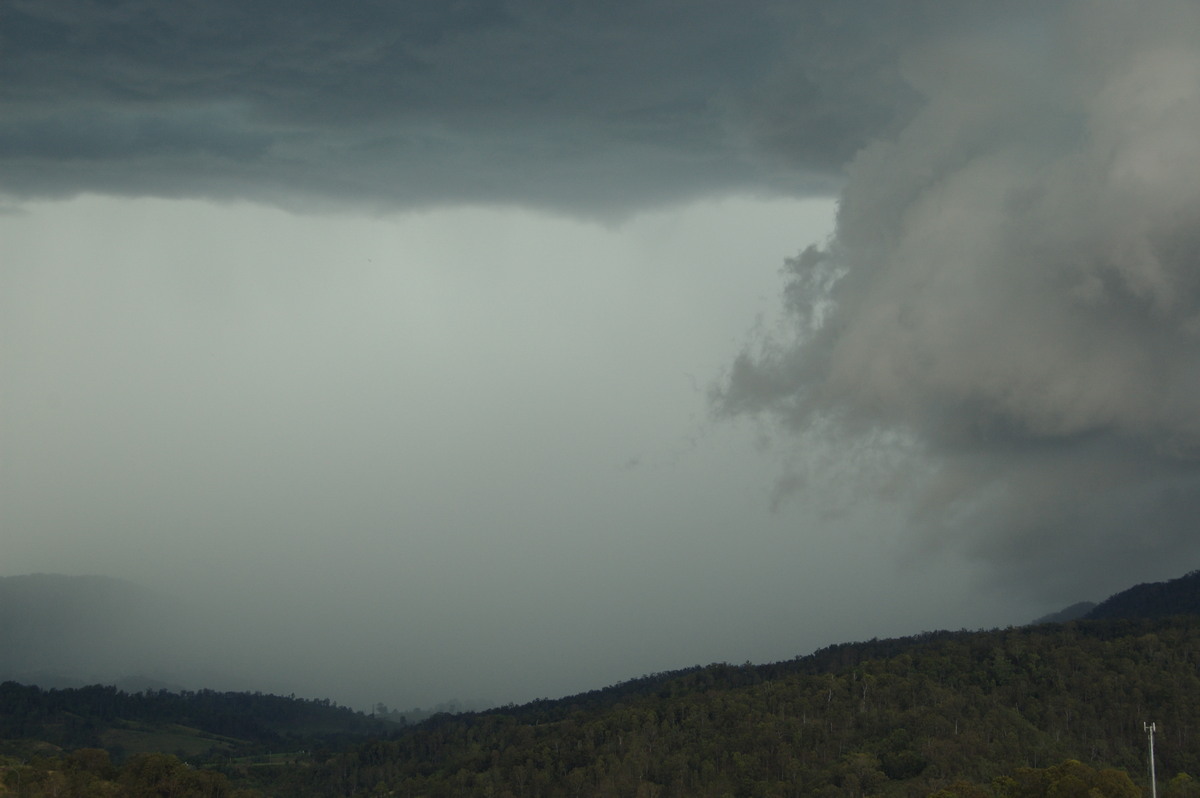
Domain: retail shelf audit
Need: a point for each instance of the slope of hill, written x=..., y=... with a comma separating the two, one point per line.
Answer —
x=890, y=718
x=1153, y=600
x=1072, y=613
x=198, y=724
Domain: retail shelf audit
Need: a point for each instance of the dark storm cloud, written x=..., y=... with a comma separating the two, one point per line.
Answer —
x=576, y=105
x=1013, y=295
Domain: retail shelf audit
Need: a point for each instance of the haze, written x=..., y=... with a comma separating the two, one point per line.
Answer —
x=469, y=350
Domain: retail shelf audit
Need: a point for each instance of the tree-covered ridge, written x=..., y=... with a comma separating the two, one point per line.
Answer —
x=1153, y=600
x=237, y=723
x=891, y=718
x=963, y=714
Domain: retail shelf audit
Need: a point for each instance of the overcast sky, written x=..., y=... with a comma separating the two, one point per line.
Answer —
x=512, y=349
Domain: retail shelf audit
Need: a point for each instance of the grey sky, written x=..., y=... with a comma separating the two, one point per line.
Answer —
x=569, y=106
x=465, y=453
x=392, y=335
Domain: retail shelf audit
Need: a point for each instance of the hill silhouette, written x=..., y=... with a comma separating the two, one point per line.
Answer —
x=1022, y=712
x=1153, y=600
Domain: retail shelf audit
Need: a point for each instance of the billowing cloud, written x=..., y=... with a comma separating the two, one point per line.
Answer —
x=1011, y=302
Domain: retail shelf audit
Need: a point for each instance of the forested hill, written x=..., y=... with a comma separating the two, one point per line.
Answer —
x=200, y=724
x=1153, y=600
x=945, y=711
x=904, y=717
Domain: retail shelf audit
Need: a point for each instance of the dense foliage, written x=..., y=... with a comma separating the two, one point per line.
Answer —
x=235, y=723
x=1052, y=711
x=892, y=718
x=88, y=773
x=1152, y=600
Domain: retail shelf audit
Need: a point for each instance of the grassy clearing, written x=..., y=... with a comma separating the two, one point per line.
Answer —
x=140, y=738
x=289, y=758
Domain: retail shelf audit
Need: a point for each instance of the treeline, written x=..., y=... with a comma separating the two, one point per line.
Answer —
x=88, y=773
x=903, y=718
x=79, y=717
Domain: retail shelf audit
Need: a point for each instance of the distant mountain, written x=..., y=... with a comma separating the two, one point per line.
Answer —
x=1148, y=600
x=1153, y=600
x=59, y=631
x=51, y=624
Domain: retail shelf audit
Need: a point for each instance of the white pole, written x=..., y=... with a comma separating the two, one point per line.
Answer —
x=1149, y=729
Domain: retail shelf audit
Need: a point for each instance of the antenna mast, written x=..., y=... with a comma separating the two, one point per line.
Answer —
x=1149, y=729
